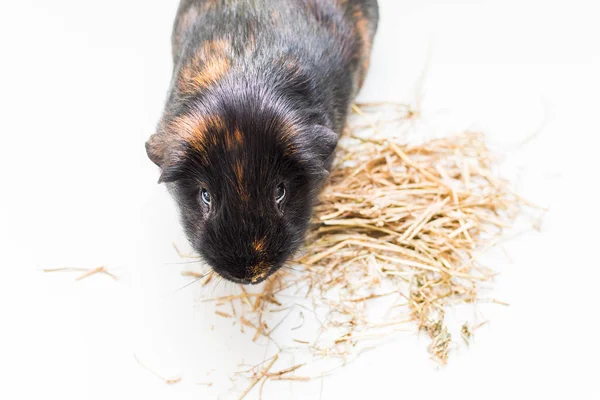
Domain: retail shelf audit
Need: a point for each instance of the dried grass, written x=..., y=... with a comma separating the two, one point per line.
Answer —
x=168, y=381
x=400, y=225
x=86, y=272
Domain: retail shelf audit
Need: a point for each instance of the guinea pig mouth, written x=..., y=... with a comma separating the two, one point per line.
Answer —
x=254, y=276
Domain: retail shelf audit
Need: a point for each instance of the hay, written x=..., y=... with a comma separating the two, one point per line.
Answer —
x=86, y=272
x=168, y=381
x=398, y=225
x=408, y=220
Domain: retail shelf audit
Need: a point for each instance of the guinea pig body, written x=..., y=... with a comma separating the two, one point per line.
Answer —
x=259, y=95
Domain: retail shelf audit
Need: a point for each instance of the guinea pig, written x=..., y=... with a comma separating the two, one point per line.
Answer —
x=259, y=95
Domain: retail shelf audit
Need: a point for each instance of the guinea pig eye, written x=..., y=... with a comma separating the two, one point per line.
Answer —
x=205, y=196
x=280, y=193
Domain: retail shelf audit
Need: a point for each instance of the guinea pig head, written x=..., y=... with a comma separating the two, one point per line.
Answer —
x=245, y=180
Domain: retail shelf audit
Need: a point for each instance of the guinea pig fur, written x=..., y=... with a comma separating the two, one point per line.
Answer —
x=259, y=95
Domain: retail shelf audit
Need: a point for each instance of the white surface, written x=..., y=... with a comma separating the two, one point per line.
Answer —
x=82, y=87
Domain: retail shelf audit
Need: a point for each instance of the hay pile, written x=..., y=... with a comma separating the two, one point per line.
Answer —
x=408, y=221
x=395, y=240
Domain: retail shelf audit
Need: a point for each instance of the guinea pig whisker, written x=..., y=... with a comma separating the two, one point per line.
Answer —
x=219, y=279
x=296, y=270
x=184, y=262
x=168, y=264
x=192, y=282
x=281, y=321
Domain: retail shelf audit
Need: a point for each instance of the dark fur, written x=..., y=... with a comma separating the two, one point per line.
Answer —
x=274, y=79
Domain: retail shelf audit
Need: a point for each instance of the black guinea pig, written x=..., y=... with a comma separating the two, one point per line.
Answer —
x=260, y=93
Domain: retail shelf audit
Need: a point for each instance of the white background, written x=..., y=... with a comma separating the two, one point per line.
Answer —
x=82, y=86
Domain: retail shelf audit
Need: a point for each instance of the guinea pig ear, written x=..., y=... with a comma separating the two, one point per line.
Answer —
x=325, y=141
x=171, y=173
x=156, y=148
x=169, y=157
x=319, y=144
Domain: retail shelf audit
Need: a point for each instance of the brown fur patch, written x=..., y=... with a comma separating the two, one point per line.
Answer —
x=290, y=150
x=259, y=245
x=194, y=129
x=363, y=30
x=234, y=140
x=259, y=271
x=229, y=143
x=190, y=128
x=288, y=132
x=238, y=137
x=238, y=171
x=209, y=65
